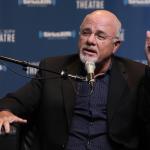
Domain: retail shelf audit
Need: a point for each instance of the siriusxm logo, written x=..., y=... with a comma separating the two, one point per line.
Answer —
x=57, y=35
x=37, y=2
x=7, y=36
x=3, y=68
x=90, y=4
x=137, y=2
x=30, y=70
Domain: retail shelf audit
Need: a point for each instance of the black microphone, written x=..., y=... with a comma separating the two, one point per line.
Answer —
x=90, y=67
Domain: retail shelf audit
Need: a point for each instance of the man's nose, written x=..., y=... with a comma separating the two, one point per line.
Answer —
x=91, y=39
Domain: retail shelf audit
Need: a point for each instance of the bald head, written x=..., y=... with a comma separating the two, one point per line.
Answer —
x=108, y=19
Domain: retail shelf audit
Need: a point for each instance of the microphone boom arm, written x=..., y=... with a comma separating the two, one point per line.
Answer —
x=26, y=64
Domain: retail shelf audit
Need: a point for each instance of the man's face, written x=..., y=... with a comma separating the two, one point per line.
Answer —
x=96, y=42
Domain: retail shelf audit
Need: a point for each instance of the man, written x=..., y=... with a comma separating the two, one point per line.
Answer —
x=114, y=115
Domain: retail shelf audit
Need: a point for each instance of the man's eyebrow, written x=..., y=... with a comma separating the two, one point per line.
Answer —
x=97, y=32
x=87, y=28
x=101, y=32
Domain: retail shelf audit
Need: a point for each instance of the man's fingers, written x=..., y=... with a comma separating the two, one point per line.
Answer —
x=1, y=127
x=7, y=118
x=6, y=126
x=148, y=34
x=147, y=47
x=19, y=120
x=148, y=38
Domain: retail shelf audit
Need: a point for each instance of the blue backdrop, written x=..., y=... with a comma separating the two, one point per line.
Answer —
x=33, y=29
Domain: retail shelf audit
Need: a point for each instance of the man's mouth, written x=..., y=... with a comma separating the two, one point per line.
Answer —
x=89, y=52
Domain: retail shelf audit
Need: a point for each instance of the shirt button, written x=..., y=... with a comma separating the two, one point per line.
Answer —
x=91, y=123
x=88, y=143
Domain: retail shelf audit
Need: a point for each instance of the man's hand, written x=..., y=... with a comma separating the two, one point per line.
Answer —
x=6, y=118
x=147, y=47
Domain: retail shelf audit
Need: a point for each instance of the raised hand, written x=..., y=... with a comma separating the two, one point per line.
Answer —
x=147, y=47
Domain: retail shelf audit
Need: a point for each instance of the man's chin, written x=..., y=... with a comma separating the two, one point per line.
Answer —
x=88, y=58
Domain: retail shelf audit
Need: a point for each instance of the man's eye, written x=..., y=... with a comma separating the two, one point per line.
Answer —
x=101, y=37
x=85, y=32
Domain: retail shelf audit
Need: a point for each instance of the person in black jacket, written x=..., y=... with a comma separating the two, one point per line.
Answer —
x=109, y=112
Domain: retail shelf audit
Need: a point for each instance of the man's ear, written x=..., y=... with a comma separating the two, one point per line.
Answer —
x=117, y=44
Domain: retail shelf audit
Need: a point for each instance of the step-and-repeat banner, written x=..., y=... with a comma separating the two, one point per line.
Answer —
x=33, y=29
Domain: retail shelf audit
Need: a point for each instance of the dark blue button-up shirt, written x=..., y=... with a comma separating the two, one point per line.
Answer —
x=89, y=124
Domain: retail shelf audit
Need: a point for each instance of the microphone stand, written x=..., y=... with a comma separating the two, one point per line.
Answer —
x=26, y=64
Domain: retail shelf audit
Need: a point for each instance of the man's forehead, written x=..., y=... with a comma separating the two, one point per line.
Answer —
x=97, y=22
x=100, y=27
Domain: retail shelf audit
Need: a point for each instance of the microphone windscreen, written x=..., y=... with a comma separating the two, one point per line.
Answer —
x=89, y=66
